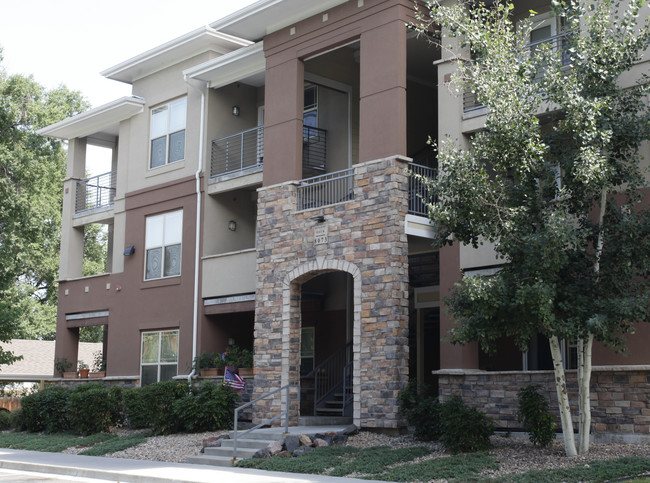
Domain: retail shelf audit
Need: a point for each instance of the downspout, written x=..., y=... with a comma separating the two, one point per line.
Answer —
x=197, y=258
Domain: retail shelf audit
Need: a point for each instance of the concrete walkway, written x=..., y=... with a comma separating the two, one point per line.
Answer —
x=139, y=471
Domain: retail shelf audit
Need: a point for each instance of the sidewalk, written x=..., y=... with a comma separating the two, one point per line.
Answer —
x=139, y=471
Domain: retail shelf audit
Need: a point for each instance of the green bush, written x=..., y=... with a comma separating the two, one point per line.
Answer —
x=94, y=408
x=5, y=420
x=206, y=408
x=534, y=414
x=46, y=410
x=152, y=406
x=421, y=411
x=464, y=428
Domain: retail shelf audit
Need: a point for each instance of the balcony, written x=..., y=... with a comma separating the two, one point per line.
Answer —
x=237, y=154
x=327, y=189
x=418, y=190
x=557, y=43
x=95, y=193
x=240, y=267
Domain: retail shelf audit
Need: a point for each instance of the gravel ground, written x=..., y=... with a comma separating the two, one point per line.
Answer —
x=514, y=454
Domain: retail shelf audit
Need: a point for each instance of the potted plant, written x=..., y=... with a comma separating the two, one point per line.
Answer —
x=99, y=366
x=83, y=370
x=240, y=358
x=209, y=364
x=63, y=366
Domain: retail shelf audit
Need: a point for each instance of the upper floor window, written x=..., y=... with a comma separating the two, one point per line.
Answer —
x=310, y=106
x=168, y=133
x=164, y=234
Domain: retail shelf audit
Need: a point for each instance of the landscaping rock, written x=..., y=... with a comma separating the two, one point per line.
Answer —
x=262, y=453
x=213, y=442
x=284, y=454
x=275, y=447
x=350, y=430
x=324, y=437
x=292, y=442
x=302, y=450
x=339, y=439
x=305, y=440
x=319, y=443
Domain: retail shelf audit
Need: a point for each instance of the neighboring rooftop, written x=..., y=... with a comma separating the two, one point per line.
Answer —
x=38, y=359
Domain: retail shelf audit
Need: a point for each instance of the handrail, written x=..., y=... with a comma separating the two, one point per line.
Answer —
x=265, y=422
x=329, y=374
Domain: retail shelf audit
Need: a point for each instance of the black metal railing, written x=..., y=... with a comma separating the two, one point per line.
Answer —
x=419, y=195
x=557, y=43
x=238, y=152
x=330, y=376
x=95, y=192
x=328, y=189
x=314, y=151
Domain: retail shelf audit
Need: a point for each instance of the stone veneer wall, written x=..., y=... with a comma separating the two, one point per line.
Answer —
x=365, y=238
x=620, y=397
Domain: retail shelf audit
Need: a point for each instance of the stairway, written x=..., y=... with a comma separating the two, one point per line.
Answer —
x=246, y=448
x=332, y=407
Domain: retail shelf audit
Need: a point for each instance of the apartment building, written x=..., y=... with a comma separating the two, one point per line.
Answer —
x=259, y=195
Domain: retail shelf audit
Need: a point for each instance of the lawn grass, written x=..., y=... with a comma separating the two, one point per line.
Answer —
x=55, y=443
x=386, y=464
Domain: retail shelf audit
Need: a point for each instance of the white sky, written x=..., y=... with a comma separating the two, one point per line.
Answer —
x=71, y=41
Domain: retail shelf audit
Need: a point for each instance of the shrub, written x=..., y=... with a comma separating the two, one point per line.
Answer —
x=5, y=420
x=206, y=408
x=464, y=428
x=93, y=408
x=152, y=406
x=534, y=414
x=421, y=411
x=46, y=410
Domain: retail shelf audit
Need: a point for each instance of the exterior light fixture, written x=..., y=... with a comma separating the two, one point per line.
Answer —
x=128, y=251
x=232, y=225
x=235, y=110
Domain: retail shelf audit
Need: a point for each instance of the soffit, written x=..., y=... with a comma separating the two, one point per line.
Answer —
x=204, y=39
x=246, y=65
x=267, y=16
x=103, y=120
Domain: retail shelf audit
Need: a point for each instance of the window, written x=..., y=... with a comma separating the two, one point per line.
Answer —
x=307, y=350
x=310, y=106
x=168, y=133
x=159, y=358
x=163, y=239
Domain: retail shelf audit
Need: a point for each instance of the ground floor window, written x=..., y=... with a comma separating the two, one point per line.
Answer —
x=159, y=359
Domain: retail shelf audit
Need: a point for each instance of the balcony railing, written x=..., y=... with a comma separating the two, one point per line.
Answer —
x=328, y=189
x=314, y=151
x=557, y=43
x=419, y=195
x=238, y=152
x=95, y=192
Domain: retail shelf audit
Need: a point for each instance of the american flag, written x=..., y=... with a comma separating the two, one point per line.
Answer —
x=234, y=380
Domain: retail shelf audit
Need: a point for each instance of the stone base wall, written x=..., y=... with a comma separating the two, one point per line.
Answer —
x=620, y=396
x=363, y=237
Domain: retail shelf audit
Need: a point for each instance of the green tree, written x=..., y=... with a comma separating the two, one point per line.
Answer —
x=554, y=180
x=31, y=170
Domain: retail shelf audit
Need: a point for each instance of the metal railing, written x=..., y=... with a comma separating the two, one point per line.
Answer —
x=238, y=152
x=328, y=189
x=95, y=192
x=314, y=151
x=284, y=413
x=348, y=394
x=419, y=194
x=557, y=43
x=329, y=376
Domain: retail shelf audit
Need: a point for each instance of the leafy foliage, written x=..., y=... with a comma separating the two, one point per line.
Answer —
x=206, y=408
x=46, y=410
x=421, y=411
x=31, y=170
x=534, y=414
x=465, y=429
x=94, y=408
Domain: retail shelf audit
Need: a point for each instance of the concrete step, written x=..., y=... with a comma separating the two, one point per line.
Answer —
x=324, y=421
x=247, y=443
x=275, y=434
x=227, y=452
x=210, y=460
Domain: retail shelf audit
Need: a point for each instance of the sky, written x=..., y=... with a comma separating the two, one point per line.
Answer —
x=71, y=41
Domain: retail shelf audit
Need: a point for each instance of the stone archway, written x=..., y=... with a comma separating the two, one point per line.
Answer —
x=291, y=322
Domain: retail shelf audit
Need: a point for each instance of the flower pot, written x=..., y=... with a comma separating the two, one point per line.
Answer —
x=83, y=373
x=97, y=375
x=212, y=372
x=70, y=375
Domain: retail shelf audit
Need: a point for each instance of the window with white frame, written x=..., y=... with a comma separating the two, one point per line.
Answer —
x=163, y=245
x=168, y=133
x=159, y=358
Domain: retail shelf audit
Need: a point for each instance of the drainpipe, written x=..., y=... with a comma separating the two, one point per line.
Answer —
x=201, y=87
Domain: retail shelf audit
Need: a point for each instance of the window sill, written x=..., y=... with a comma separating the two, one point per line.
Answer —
x=165, y=169
x=161, y=282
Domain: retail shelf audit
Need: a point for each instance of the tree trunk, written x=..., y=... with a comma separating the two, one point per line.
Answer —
x=584, y=380
x=562, y=397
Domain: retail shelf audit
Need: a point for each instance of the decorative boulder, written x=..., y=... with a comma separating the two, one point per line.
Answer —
x=275, y=447
x=319, y=443
x=303, y=450
x=305, y=440
x=291, y=442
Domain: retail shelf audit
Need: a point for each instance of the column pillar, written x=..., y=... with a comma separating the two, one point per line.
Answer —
x=72, y=239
